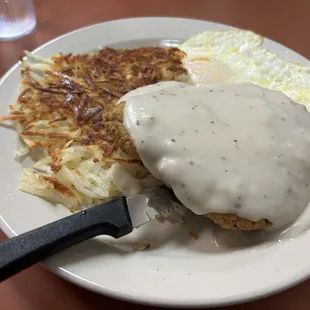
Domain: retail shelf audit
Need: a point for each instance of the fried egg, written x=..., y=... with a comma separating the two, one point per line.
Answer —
x=239, y=56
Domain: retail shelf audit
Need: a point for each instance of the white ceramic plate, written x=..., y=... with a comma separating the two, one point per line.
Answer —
x=177, y=270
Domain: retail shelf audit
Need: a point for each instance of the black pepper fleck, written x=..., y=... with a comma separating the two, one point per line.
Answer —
x=223, y=158
x=142, y=141
x=138, y=123
x=265, y=196
x=212, y=122
x=213, y=132
x=182, y=184
x=225, y=170
x=191, y=163
x=283, y=119
x=240, y=197
x=196, y=130
x=184, y=149
x=173, y=140
x=211, y=90
x=237, y=205
x=152, y=118
x=235, y=140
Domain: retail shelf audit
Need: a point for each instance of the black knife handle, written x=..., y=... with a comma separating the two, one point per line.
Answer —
x=110, y=218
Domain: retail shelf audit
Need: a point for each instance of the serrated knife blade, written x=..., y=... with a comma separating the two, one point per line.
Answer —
x=151, y=204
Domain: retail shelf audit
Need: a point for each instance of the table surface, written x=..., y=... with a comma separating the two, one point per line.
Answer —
x=284, y=21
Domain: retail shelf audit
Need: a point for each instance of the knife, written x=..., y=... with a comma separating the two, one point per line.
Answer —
x=116, y=218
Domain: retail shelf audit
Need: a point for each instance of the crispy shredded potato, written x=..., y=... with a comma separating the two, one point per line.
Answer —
x=60, y=110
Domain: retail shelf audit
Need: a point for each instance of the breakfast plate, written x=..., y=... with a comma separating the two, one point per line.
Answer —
x=185, y=264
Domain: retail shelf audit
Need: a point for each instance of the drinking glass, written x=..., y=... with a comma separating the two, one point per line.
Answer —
x=17, y=18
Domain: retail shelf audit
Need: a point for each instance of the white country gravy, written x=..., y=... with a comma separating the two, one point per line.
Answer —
x=227, y=148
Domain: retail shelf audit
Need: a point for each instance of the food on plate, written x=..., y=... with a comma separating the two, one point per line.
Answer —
x=60, y=111
x=237, y=153
x=74, y=108
x=114, y=119
x=239, y=56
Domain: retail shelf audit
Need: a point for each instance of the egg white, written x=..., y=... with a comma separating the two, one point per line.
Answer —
x=238, y=56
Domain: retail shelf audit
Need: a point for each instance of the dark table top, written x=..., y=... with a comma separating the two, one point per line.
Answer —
x=284, y=21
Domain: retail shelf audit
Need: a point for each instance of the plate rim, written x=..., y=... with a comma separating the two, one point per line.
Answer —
x=82, y=282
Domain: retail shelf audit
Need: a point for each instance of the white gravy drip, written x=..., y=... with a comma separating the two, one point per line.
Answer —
x=226, y=148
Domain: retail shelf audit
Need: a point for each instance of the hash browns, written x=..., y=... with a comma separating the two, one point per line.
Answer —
x=60, y=111
x=78, y=89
